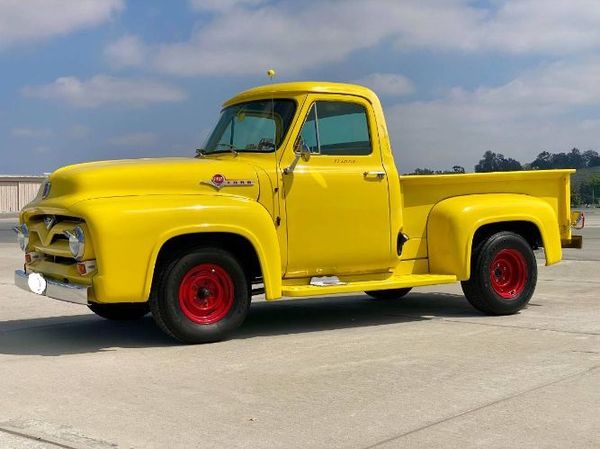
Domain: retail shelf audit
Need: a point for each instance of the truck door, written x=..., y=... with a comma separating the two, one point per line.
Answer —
x=337, y=201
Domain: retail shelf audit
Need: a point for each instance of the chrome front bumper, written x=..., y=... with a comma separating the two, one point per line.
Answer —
x=53, y=289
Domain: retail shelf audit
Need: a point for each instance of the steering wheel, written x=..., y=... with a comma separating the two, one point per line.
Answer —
x=266, y=143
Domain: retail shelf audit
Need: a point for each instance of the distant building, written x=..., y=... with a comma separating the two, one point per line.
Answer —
x=17, y=191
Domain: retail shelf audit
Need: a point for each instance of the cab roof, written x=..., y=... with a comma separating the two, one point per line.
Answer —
x=302, y=87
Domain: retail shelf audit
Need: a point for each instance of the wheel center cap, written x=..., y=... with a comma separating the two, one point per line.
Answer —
x=204, y=293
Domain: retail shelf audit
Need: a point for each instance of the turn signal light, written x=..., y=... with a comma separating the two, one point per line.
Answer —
x=86, y=267
x=30, y=257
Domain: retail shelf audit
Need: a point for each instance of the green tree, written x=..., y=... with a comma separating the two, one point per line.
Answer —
x=496, y=162
x=591, y=158
x=423, y=171
x=560, y=160
x=589, y=191
x=575, y=159
x=543, y=161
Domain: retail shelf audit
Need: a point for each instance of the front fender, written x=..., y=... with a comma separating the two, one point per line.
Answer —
x=129, y=232
x=452, y=223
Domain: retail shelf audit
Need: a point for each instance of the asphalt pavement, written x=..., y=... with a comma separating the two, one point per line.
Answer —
x=7, y=234
x=336, y=372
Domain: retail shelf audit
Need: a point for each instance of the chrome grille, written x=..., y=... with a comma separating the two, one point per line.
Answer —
x=47, y=238
x=51, y=241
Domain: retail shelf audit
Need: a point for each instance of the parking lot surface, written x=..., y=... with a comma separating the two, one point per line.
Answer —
x=425, y=371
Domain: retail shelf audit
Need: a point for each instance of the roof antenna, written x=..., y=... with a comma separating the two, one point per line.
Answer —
x=271, y=75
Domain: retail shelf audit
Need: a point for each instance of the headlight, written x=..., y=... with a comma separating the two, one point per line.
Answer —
x=22, y=236
x=76, y=242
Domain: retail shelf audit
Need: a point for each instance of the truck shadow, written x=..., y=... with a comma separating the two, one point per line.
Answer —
x=321, y=314
x=54, y=336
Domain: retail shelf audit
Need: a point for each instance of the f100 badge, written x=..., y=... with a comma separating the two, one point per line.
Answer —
x=220, y=181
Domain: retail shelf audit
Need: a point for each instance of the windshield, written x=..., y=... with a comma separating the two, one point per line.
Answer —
x=256, y=126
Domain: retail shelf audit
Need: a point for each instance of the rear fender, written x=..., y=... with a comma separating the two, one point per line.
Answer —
x=453, y=222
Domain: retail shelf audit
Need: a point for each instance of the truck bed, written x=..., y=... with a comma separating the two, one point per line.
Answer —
x=421, y=193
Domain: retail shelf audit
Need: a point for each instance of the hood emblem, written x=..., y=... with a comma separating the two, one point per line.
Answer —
x=49, y=221
x=219, y=181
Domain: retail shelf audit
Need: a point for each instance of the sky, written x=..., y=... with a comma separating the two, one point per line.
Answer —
x=88, y=80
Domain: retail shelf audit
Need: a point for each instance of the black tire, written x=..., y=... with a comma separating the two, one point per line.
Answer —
x=386, y=295
x=201, y=296
x=503, y=274
x=121, y=311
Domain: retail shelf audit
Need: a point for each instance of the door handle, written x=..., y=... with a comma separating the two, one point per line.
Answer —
x=378, y=174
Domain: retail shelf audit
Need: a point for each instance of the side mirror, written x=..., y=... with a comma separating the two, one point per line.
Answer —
x=302, y=150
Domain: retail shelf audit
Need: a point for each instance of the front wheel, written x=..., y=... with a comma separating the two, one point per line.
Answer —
x=503, y=275
x=201, y=297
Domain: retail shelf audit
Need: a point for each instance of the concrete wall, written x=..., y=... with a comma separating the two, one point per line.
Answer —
x=17, y=191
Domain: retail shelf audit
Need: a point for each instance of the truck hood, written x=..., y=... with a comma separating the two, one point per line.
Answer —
x=186, y=176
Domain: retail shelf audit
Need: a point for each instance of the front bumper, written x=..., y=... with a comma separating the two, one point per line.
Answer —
x=53, y=289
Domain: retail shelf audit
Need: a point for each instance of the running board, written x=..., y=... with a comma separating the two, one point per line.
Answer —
x=412, y=280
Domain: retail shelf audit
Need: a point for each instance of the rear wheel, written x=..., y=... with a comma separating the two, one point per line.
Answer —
x=201, y=297
x=503, y=275
x=120, y=312
x=384, y=295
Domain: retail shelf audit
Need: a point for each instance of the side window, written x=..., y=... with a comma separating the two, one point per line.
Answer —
x=343, y=128
x=309, y=131
x=340, y=128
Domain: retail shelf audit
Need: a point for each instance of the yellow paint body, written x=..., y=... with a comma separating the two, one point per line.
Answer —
x=324, y=217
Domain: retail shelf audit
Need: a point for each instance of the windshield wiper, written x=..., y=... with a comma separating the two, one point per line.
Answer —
x=231, y=147
x=202, y=152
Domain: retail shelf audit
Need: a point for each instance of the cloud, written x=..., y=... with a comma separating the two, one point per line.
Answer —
x=134, y=139
x=126, y=51
x=391, y=84
x=535, y=111
x=246, y=36
x=32, y=20
x=284, y=36
x=78, y=132
x=31, y=133
x=103, y=90
x=222, y=5
x=42, y=149
x=542, y=26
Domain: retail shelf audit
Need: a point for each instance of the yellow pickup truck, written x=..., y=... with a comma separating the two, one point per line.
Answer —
x=294, y=194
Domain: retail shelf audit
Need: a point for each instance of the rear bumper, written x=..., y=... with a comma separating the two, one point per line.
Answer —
x=53, y=289
x=576, y=241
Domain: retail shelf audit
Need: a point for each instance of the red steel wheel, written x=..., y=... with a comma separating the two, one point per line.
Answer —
x=508, y=273
x=206, y=293
x=503, y=274
x=201, y=295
